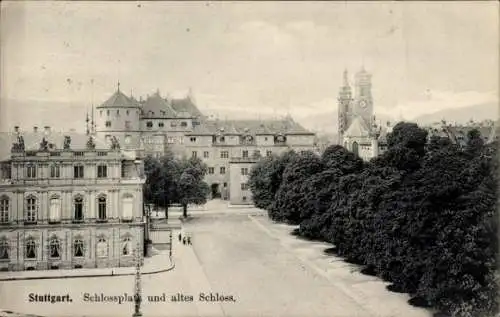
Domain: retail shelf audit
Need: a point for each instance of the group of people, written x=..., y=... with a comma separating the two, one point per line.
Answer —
x=185, y=238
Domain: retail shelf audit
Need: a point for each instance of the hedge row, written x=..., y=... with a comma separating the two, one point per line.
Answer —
x=422, y=215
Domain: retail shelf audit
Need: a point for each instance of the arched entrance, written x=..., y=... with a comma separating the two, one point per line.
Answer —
x=355, y=149
x=215, y=190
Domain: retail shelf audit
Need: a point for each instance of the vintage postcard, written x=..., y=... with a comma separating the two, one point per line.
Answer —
x=231, y=158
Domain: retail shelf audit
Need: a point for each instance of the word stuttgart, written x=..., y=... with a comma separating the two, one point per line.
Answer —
x=49, y=298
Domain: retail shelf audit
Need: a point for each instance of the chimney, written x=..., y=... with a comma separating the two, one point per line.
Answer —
x=46, y=129
x=16, y=129
x=35, y=129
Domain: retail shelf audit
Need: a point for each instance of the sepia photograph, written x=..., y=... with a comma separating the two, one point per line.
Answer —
x=249, y=158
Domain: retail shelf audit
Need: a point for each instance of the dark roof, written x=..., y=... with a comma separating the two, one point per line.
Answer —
x=186, y=105
x=32, y=141
x=119, y=100
x=458, y=134
x=286, y=126
x=156, y=106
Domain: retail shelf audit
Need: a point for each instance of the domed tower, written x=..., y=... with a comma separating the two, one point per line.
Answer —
x=119, y=117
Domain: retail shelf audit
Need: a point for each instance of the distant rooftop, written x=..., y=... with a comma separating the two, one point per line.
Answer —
x=287, y=125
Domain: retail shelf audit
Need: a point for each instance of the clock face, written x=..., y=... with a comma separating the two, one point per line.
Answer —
x=362, y=103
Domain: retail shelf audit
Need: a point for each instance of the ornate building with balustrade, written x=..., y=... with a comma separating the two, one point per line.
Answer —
x=68, y=201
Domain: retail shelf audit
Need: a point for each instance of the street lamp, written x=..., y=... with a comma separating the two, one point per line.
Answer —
x=138, y=287
x=170, y=253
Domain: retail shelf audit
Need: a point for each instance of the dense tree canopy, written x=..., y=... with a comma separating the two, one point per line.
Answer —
x=422, y=215
x=175, y=181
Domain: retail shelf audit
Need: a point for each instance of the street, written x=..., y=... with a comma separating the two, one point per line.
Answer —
x=238, y=265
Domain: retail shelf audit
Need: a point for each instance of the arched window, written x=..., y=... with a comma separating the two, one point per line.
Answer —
x=4, y=248
x=101, y=207
x=355, y=149
x=102, y=247
x=78, y=209
x=126, y=246
x=30, y=248
x=55, y=209
x=78, y=250
x=4, y=209
x=54, y=248
x=127, y=207
x=31, y=209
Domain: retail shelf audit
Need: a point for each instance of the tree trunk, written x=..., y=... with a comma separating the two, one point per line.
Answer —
x=184, y=210
x=167, y=204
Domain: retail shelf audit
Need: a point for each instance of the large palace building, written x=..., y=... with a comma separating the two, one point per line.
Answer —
x=228, y=147
x=68, y=201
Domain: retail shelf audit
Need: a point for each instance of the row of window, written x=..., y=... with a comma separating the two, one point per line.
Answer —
x=117, y=112
x=55, y=207
x=222, y=170
x=225, y=154
x=55, y=171
x=55, y=248
x=149, y=124
x=211, y=170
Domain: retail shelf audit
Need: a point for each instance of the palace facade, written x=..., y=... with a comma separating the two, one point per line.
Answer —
x=228, y=147
x=68, y=201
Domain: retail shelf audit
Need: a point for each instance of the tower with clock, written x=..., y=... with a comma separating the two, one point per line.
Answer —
x=363, y=99
x=358, y=106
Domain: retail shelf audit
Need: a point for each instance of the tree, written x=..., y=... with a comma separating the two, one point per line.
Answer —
x=290, y=197
x=171, y=170
x=152, y=169
x=191, y=188
x=265, y=178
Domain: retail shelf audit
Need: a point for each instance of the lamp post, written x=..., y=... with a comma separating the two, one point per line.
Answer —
x=138, y=259
x=170, y=253
x=138, y=286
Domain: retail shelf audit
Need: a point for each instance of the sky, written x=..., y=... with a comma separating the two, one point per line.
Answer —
x=255, y=58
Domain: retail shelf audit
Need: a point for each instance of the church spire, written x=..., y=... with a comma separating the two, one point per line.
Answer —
x=92, y=122
x=87, y=122
x=346, y=80
x=118, y=86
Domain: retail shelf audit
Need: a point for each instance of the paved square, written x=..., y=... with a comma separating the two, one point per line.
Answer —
x=264, y=269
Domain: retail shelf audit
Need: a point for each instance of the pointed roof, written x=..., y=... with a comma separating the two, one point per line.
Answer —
x=186, y=105
x=156, y=106
x=358, y=128
x=119, y=100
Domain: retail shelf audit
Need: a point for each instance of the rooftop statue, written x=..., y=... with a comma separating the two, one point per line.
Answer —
x=90, y=143
x=44, y=145
x=115, y=145
x=67, y=142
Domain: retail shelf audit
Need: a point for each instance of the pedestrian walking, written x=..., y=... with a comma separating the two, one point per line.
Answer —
x=180, y=237
x=184, y=240
x=189, y=241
